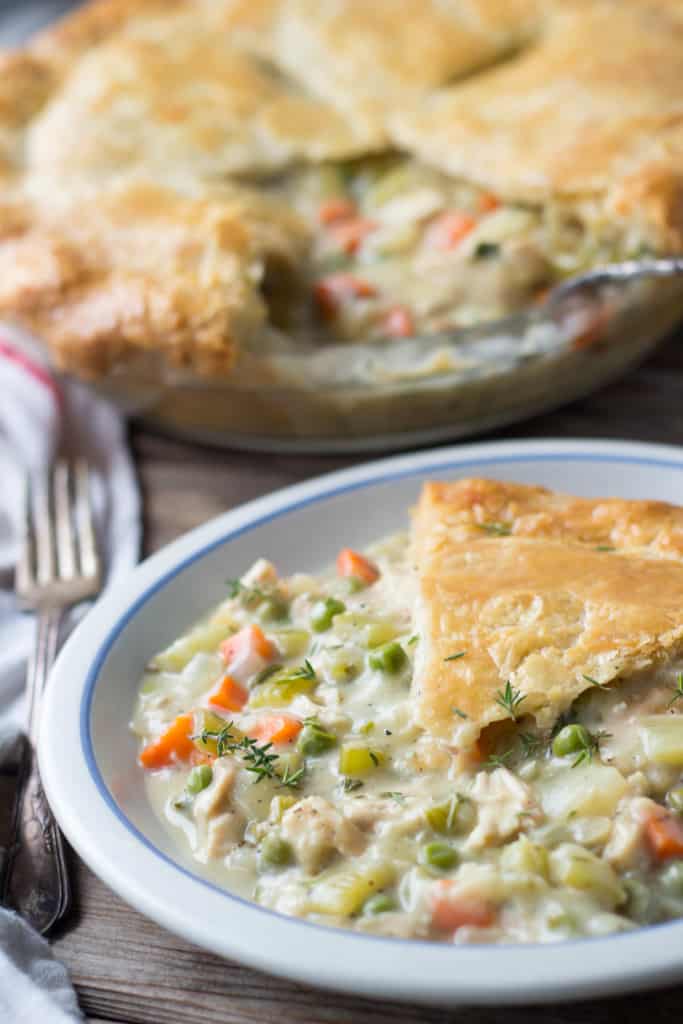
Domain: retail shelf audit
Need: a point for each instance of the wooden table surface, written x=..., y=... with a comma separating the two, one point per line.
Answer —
x=127, y=969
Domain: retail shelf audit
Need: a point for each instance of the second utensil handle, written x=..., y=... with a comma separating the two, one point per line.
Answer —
x=37, y=884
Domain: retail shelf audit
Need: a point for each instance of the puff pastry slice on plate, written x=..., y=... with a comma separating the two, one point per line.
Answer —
x=548, y=592
x=591, y=110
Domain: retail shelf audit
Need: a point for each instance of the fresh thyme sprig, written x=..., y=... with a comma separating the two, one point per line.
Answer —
x=306, y=671
x=256, y=756
x=509, y=699
x=456, y=657
x=531, y=744
x=495, y=529
x=594, y=682
x=589, y=746
x=499, y=760
x=678, y=690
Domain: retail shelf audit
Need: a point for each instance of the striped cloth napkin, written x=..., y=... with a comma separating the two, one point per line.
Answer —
x=38, y=415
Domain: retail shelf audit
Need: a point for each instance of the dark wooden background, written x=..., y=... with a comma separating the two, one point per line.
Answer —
x=127, y=969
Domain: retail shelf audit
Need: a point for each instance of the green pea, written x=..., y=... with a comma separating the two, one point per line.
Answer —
x=199, y=778
x=275, y=851
x=273, y=609
x=380, y=903
x=315, y=740
x=439, y=855
x=571, y=740
x=323, y=613
x=671, y=878
x=390, y=658
x=674, y=799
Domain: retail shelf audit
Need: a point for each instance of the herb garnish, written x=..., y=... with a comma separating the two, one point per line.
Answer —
x=605, y=547
x=394, y=795
x=256, y=756
x=459, y=713
x=412, y=640
x=495, y=529
x=590, y=746
x=594, y=682
x=486, y=251
x=678, y=690
x=349, y=785
x=498, y=760
x=531, y=744
x=456, y=657
x=509, y=699
x=305, y=672
x=266, y=673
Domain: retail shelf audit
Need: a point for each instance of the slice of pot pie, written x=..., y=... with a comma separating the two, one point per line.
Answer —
x=408, y=209
x=529, y=597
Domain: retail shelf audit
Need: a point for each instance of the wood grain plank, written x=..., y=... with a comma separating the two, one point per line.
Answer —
x=129, y=971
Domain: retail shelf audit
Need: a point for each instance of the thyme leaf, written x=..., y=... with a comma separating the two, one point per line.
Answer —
x=509, y=699
x=590, y=747
x=495, y=529
x=456, y=657
x=459, y=713
x=678, y=690
x=305, y=672
x=594, y=682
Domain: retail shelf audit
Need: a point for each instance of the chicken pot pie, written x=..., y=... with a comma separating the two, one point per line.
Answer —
x=474, y=734
x=425, y=166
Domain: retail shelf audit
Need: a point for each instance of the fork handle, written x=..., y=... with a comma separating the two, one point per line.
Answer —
x=37, y=884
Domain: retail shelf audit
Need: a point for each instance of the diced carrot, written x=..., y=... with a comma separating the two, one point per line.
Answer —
x=449, y=229
x=664, y=835
x=350, y=563
x=229, y=695
x=331, y=291
x=250, y=639
x=488, y=202
x=349, y=234
x=337, y=208
x=398, y=323
x=275, y=729
x=452, y=910
x=172, y=746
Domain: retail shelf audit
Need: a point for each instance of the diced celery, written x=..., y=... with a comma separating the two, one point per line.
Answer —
x=204, y=638
x=452, y=817
x=588, y=789
x=578, y=868
x=345, y=891
x=662, y=738
x=199, y=778
x=360, y=761
x=343, y=666
x=280, y=804
x=314, y=740
x=525, y=857
x=280, y=690
x=207, y=722
x=291, y=642
x=376, y=634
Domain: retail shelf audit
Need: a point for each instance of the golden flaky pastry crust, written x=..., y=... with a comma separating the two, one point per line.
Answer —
x=593, y=106
x=577, y=588
x=137, y=266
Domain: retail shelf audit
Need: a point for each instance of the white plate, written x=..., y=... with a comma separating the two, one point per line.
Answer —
x=87, y=754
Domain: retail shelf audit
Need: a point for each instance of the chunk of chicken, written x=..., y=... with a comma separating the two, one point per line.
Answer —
x=505, y=805
x=220, y=827
x=625, y=847
x=316, y=831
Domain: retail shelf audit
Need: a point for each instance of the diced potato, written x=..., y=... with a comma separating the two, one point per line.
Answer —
x=578, y=868
x=363, y=629
x=588, y=789
x=377, y=633
x=359, y=761
x=662, y=738
x=345, y=891
x=279, y=804
x=204, y=638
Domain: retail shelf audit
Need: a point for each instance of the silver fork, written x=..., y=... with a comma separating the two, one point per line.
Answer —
x=58, y=566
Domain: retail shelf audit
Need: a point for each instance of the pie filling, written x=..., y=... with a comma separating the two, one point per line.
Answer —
x=280, y=748
x=400, y=249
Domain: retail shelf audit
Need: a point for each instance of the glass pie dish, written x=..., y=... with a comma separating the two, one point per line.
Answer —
x=293, y=397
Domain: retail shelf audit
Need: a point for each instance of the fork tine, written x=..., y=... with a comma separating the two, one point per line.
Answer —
x=24, y=570
x=66, y=545
x=44, y=539
x=87, y=545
